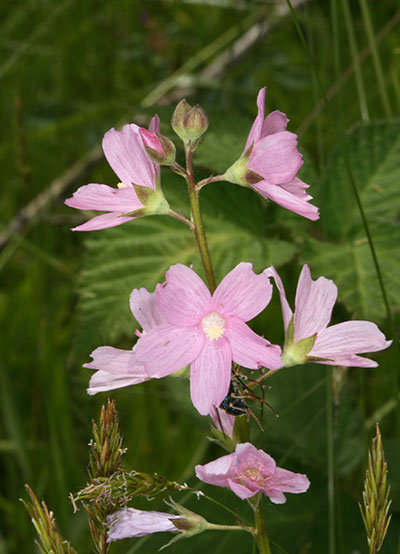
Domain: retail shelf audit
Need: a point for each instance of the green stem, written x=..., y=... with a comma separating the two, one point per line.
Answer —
x=217, y=527
x=199, y=230
x=261, y=532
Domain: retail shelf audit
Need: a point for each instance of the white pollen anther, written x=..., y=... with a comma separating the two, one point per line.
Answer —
x=213, y=326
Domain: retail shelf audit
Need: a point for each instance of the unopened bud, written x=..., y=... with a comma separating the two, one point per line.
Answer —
x=188, y=122
x=178, y=118
x=195, y=122
x=160, y=149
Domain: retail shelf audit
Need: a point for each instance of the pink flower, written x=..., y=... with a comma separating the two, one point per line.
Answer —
x=248, y=471
x=223, y=421
x=137, y=523
x=120, y=368
x=126, y=155
x=308, y=337
x=270, y=162
x=208, y=331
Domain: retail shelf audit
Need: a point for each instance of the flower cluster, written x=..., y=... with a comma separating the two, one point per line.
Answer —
x=184, y=324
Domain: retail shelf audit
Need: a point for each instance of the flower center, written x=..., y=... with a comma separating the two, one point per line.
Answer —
x=252, y=474
x=213, y=326
x=121, y=186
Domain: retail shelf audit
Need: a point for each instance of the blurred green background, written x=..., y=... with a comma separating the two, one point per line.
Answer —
x=69, y=71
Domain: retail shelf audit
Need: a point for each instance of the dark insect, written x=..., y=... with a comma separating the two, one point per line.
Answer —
x=235, y=403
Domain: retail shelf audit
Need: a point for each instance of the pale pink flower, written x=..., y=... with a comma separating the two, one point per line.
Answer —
x=270, y=162
x=126, y=155
x=130, y=523
x=222, y=420
x=120, y=368
x=248, y=471
x=308, y=337
x=208, y=331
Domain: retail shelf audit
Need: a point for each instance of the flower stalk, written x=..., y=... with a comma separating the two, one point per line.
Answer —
x=261, y=531
x=199, y=230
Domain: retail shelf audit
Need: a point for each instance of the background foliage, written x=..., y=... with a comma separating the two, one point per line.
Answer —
x=69, y=71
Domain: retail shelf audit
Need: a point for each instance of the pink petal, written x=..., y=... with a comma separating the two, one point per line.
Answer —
x=216, y=472
x=278, y=194
x=256, y=129
x=241, y=490
x=286, y=310
x=126, y=155
x=144, y=308
x=167, y=348
x=313, y=305
x=275, y=122
x=183, y=299
x=151, y=140
x=223, y=422
x=297, y=188
x=343, y=340
x=249, y=349
x=247, y=455
x=276, y=158
x=130, y=522
x=349, y=361
x=115, y=360
x=210, y=375
x=103, y=381
x=242, y=293
x=103, y=221
x=287, y=481
x=117, y=368
x=104, y=198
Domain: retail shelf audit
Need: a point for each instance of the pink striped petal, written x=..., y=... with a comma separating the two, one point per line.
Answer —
x=103, y=221
x=126, y=155
x=286, y=310
x=249, y=349
x=117, y=368
x=183, y=299
x=276, y=158
x=297, y=188
x=278, y=194
x=167, y=348
x=348, y=361
x=256, y=128
x=104, y=198
x=275, y=122
x=314, y=304
x=103, y=381
x=217, y=471
x=287, y=481
x=242, y=293
x=345, y=339
x=129, y=522
x=144, y=308
x=210, y=375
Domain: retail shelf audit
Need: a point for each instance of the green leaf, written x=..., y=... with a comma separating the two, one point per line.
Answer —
x=373, y=151
x=374, y=155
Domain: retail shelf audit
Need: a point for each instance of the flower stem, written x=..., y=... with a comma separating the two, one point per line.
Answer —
x=261, y=531
x=199, y=230
x=181, y=218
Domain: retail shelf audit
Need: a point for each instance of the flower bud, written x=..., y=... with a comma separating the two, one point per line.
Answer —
x=160, y=149
x=188, y=122
x=178, y=118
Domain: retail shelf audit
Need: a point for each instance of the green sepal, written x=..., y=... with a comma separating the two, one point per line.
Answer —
x=222, y=439
x=153, y=200
x=295, y=353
